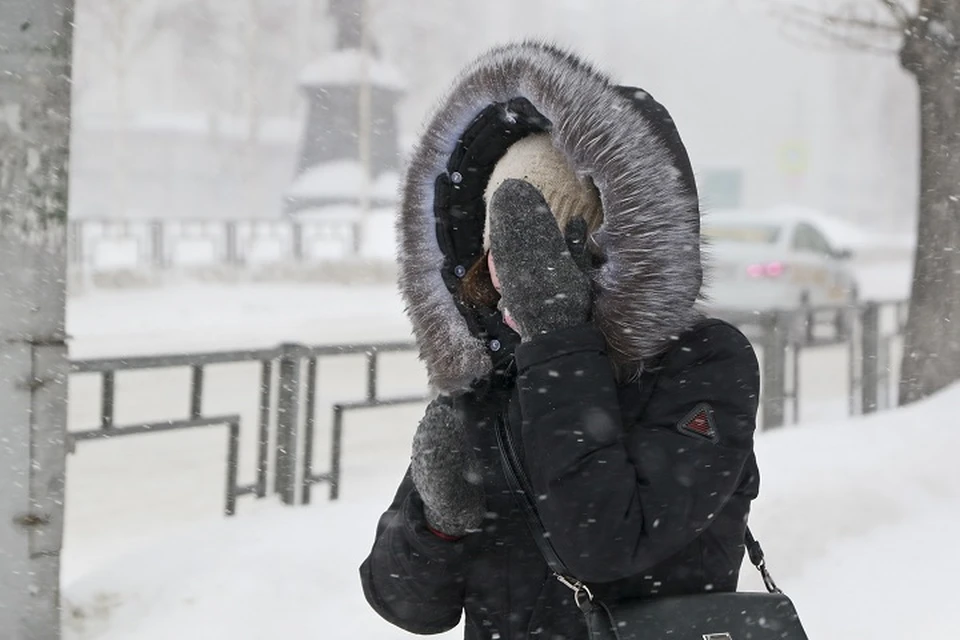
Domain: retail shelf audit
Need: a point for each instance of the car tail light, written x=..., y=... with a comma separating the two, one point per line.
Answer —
x=766, y=270
x=774, y=269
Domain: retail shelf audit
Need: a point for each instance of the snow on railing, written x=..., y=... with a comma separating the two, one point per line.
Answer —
x=105, y=245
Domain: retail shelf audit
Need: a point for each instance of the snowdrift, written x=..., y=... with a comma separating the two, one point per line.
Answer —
x=857, y=518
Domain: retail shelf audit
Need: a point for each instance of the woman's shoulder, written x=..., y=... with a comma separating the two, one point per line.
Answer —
x=710, y=370
x=709, y=340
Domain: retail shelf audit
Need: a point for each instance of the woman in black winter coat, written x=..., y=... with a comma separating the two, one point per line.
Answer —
x=632, y=413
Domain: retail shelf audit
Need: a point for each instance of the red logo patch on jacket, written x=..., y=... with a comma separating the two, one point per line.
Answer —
x=699, y=423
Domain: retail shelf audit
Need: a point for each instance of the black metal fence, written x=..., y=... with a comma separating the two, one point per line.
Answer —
x=287, y=403
x=232, y=422
x=866, y=333
x=287, y=408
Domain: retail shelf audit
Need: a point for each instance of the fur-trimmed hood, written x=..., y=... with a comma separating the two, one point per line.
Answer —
x=650, y=274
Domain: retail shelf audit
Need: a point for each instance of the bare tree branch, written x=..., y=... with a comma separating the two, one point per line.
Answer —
x=899, y=12
x=861, y=23
x=839, y=31
x=837, y=42
x=847, y=16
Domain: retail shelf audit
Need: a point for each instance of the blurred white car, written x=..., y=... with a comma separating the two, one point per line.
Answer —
x=765, y=261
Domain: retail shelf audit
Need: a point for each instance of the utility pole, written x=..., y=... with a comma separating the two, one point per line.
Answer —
x=35, y=71
x=366, y=123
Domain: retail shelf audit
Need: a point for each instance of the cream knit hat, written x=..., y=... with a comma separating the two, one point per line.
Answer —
x=536, y=160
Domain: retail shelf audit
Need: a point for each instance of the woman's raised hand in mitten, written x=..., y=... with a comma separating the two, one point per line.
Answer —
x=543, y=286
x=446, y=473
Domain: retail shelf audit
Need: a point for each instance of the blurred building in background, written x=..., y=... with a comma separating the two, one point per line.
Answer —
x=198, y=108
x=348, y=155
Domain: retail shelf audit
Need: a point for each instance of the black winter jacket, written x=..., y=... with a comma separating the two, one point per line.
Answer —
x=644, y=478
x=639, y=502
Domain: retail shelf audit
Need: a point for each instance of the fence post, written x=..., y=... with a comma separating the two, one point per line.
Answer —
x=854, y=370
x=308, y=428
x=263, y=440
x=233, y=455
x=775, y=326
x=870, y=358
x=196, y=391
x=157, y=257
x=809, y=322
x=296, y=236
x=336, y=452
x=230, y=238
x=356, y=240
x=288, y=422
x=372, y=375
x=794, y=393
x=107, y=393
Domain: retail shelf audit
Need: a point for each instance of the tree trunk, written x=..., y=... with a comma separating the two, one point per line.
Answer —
x=35, y=54
x=931, y=359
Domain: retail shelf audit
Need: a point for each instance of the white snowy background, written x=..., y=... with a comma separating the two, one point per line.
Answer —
x=858, y=516
x=192, y=107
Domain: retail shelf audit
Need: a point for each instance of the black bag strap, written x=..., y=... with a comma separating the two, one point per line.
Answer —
x=523, y=496
x=755, y=552
x=511, y=470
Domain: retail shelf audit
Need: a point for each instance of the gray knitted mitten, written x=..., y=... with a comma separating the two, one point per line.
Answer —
x=542, y=282
x=446, y=473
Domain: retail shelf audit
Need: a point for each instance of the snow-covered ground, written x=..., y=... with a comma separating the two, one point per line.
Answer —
x=885, y=282
x=147, y=554
x=210, y=317
x=857, y=518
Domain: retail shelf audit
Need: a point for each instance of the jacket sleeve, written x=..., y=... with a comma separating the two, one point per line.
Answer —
x=412, y=577
x=619, y=498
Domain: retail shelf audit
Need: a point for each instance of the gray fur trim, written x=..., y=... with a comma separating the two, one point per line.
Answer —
x=648, y=286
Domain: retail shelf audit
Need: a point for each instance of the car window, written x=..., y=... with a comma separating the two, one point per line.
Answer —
x=801, y=238
x=742, y=233
x=820, y=243
x=809, y=240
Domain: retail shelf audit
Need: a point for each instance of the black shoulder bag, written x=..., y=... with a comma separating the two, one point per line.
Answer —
x=707, y=616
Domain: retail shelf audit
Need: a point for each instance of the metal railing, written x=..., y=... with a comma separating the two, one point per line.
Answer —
x=232, y=423
x=336, y=449
x=783, y=336
x=287, y=405
x=292, y=361
x=281, y=396
x=97, y=245
x=108, y=368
